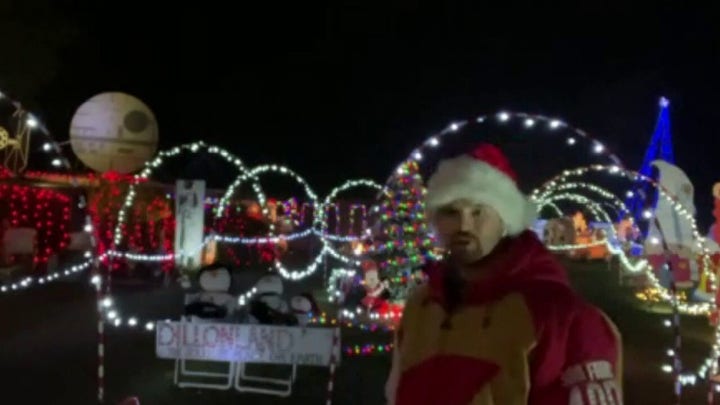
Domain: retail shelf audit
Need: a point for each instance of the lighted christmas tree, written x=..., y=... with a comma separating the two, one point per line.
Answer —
x=403, y=242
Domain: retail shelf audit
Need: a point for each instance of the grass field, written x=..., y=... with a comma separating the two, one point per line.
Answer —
x=48, y=349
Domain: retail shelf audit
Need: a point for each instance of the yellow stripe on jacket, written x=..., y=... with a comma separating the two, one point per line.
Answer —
x=473, y=332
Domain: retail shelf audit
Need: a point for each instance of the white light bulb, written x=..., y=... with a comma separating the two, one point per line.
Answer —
x=56, y=162
x=630, y=194
x=667, y=368
x=31, y=122
x=667, y=323
x=598, y=148
x=647, y=214
x=529, y=122
x=417, y=155
x=454, y=127
x=47, y=146
x=434, y=141
x=555, y=124
x=503, y=116
x=571, y=141
x=132, y=321
x=149, y=326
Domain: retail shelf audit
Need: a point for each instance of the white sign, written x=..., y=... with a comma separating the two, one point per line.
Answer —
x=245, y=343
x=189, y=223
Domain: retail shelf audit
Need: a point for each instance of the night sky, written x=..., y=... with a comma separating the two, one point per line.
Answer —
x=343, y=90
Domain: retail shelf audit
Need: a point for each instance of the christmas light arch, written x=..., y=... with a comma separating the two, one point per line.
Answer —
x=329, y=200
x=710, y=363
x=530, y=121
x=596, y=209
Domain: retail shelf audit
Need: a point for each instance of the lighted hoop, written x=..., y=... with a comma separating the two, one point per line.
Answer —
x=530, y=121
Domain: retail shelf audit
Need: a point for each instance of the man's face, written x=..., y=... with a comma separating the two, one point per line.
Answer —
x=468, y=231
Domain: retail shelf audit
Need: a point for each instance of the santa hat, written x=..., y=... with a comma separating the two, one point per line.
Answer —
x=368, y=265
x=483, y=176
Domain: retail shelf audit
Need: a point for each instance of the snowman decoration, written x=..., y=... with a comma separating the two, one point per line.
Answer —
x=374, y=287
x=214, y=300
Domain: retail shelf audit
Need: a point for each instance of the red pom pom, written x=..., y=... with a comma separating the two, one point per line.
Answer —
x=493, y=156
x=368, y=265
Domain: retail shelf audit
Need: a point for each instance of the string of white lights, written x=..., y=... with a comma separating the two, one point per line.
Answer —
x=541, y=193
x=30, y=281
x=529, y=121
x=593, y=206
x=333, y=292
x=558, y=212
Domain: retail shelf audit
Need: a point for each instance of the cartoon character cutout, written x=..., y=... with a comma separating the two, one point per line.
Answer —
x=374, y=287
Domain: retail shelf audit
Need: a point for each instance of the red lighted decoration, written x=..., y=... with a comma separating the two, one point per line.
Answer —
x=247, y=223
x=149, y=227
x=150, y=224
x=45, y=210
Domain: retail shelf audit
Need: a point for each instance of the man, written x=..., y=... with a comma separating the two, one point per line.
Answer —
x=497, y=323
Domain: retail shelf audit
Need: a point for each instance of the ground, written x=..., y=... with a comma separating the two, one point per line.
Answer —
x=48, y=348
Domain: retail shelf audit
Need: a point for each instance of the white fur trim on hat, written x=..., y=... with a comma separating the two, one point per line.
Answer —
x=464, y=177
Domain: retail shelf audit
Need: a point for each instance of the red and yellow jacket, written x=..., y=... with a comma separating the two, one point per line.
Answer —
x=520, y=336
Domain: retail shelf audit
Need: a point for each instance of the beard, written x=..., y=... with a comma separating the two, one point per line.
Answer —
x=465, y=248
